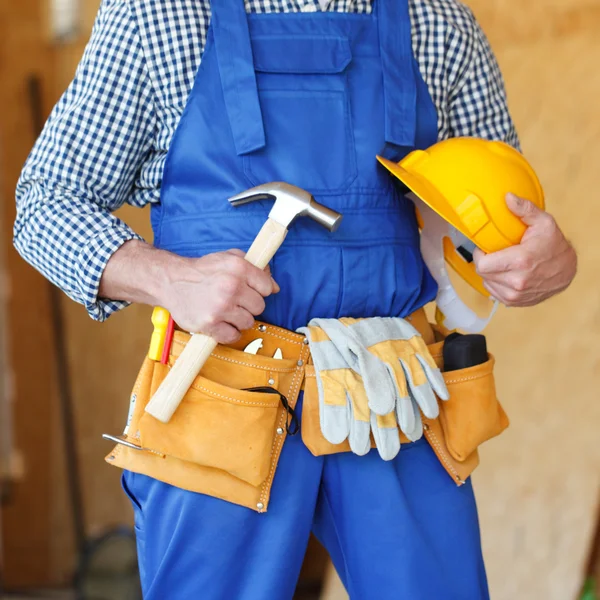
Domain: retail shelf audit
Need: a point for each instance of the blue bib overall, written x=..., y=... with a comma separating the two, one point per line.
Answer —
x=309, y=99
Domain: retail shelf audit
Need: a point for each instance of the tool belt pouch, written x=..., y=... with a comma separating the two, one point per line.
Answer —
x=216, y=426
x=470, y=417
x=473, y=415
x=222, y=440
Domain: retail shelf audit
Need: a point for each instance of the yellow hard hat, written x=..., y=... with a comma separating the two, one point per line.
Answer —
x=465, y=181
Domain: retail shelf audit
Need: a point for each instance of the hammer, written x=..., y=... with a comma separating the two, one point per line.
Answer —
x=290, y=202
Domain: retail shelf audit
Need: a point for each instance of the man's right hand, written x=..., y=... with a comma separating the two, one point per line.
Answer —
x=218, y=295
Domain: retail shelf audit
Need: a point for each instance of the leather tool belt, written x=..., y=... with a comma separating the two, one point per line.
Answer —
x=226, y=437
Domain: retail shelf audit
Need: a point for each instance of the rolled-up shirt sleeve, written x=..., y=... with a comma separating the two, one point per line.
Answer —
x=85, y=164
x=478, y=104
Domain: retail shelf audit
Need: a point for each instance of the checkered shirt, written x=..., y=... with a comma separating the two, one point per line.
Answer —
x=106, y=140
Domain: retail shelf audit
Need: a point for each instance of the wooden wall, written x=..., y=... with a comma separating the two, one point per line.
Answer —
x=38, y=533
x=538, y=488
x=27, y=521
x=538, y=485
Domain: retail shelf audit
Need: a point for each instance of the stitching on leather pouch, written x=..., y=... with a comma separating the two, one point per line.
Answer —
x=279, y=439
x=245, y=364
x=471, y=378
x=240, y=362
x=437, y=444
x=235, y=400
x=281, y=337
x=265, y=368
x=278, y=443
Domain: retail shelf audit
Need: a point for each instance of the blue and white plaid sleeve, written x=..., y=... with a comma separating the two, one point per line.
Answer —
x=85, y=164
x=478, y=104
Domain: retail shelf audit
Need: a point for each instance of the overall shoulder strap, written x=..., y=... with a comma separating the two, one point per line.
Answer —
x=236, y=67
x=400, y=84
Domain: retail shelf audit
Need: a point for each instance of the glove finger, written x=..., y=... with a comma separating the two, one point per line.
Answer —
x=404, y=409
x=358, y=415
x=417, y=432
x=385, y=433
x=423, y=394
x=334, y=411
x=360, y=437
x=378, y=382
x=435, y=378
x=405, y=413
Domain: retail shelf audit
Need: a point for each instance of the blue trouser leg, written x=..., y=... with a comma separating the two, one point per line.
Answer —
x=400, y=529
x=192, y=546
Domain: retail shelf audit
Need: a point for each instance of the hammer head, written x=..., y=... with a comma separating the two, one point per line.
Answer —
x=290, y=202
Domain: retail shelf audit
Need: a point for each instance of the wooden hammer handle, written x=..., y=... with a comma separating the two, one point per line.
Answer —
x=175, y=385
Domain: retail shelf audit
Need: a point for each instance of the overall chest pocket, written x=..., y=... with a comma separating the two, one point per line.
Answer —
x=304, y=98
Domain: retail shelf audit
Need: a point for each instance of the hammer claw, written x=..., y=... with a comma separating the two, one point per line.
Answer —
x=290, y=202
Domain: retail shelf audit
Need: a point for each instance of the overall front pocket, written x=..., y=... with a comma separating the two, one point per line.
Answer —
x=304, y=98
x=217, y=426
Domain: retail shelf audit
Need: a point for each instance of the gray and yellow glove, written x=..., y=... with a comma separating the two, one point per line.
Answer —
x=343, y=405
x=399, y=374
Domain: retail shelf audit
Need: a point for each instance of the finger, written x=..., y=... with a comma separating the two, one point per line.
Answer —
x=224, y=333
x=235, y=252
x=528, y=212
x=504, y=294
x=503, y=261
x=235, y=265
x=503, y=279
x=259, y=280
x=251, y=301
x=239, y=318
x=519, y=281
x=276, y=288
x=477, y=256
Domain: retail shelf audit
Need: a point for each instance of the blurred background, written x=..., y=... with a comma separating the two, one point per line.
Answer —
x=64, y=518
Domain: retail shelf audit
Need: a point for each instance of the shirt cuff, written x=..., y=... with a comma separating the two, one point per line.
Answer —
x=92, y=262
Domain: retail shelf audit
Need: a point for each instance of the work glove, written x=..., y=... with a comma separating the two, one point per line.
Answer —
x=344, y=412
x=399, y=374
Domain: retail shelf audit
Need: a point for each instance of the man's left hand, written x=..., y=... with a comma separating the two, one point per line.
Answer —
x=542, y=265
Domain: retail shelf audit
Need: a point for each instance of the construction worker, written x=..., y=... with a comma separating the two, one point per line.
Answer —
x=182, y=105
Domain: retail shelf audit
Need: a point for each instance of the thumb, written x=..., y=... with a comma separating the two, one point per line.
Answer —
x=527, y=211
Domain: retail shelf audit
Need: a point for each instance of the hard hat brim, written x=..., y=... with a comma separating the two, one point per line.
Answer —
x=427, y=193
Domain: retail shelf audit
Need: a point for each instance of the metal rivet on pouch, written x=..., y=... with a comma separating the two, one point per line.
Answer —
x=260, y=506
x=305, y=341
x=425, y=427
x=300, y=363
x=262, y=328
x=271, y=381
x=279, y=431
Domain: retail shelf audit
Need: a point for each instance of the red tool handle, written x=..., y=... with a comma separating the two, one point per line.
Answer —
x=168, y=341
